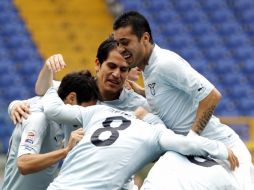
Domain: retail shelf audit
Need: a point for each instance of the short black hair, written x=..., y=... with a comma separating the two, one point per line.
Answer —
x=82, y=83
x=105, y=48
x=138, y=22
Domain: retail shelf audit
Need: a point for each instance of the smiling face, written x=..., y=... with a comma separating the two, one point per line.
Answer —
x=111, y=75
x=135, y=51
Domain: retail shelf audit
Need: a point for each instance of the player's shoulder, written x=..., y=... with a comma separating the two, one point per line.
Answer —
x=36, y=115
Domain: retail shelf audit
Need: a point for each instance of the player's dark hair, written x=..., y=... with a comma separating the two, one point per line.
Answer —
x=137, y=21
x=82, y=83
x=105, y=48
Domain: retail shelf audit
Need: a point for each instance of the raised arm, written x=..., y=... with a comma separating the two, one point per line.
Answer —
x=30, y=163
x=53, y=64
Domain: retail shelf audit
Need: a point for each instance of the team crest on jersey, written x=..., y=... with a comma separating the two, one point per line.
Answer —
x=152, y=90
x=30, y=137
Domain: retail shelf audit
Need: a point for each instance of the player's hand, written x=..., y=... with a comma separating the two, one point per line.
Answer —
x=140, y=112
x=19, y=111
x=233, y=160
x=75, y=137
x=131, y=85
x=55, y=63
x=127, y=85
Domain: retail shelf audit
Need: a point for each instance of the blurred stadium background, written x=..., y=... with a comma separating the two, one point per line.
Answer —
x=216, y=37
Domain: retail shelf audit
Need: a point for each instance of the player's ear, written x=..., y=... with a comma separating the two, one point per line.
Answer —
x=97, y=65
x=71, y=99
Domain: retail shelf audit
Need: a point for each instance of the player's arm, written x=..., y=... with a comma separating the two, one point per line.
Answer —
x=205, y=110
x=53, y=64
x=198, y=146
x=19, y=109
x=142, y=114
x=56, y=110
x=30, y=163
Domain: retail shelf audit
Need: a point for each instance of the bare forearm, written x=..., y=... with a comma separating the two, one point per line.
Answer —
x=202, y=119
x=44, y=81
x=205, y=111
x=31, y=163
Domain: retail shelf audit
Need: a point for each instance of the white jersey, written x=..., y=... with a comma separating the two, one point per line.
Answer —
x=178, y=172
x=127, y=101
x=116, y=145
x=34, y=136
x=174, y=89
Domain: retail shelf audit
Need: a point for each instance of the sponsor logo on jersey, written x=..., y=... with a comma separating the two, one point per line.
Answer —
x=28, y=148
x=30, y=137
x=152, y=90
x=201, y=88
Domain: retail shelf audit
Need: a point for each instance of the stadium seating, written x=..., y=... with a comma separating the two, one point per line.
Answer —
x=16, y=47
x=55, y=27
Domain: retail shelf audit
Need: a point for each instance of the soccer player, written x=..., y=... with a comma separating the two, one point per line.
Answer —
x=178, y=172
x=179, y=95
x=116, y=144
x=36, y=147
x=111, y=73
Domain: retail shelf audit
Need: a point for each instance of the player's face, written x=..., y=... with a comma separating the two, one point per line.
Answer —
x=111, y=75
x=132, y=48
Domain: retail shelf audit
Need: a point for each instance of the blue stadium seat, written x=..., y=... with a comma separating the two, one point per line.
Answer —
x=229, y=28
x=211, y=6
x=242, y=53
x=246, y=105
x=186, y=5
x=233, y=78
x=197, y=29
x=227, y=107
x=234, y=41
x=216, y=52
x=247, y=67
x=210, y=40
x=192, y=17
x=223, y=66
x=221, y=16
x=242, y=5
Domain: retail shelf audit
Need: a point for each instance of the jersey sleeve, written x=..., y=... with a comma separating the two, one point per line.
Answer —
x=181, y=75
x=192, y=145
x=56, y=84
x=35, y=127
x=56, y=110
